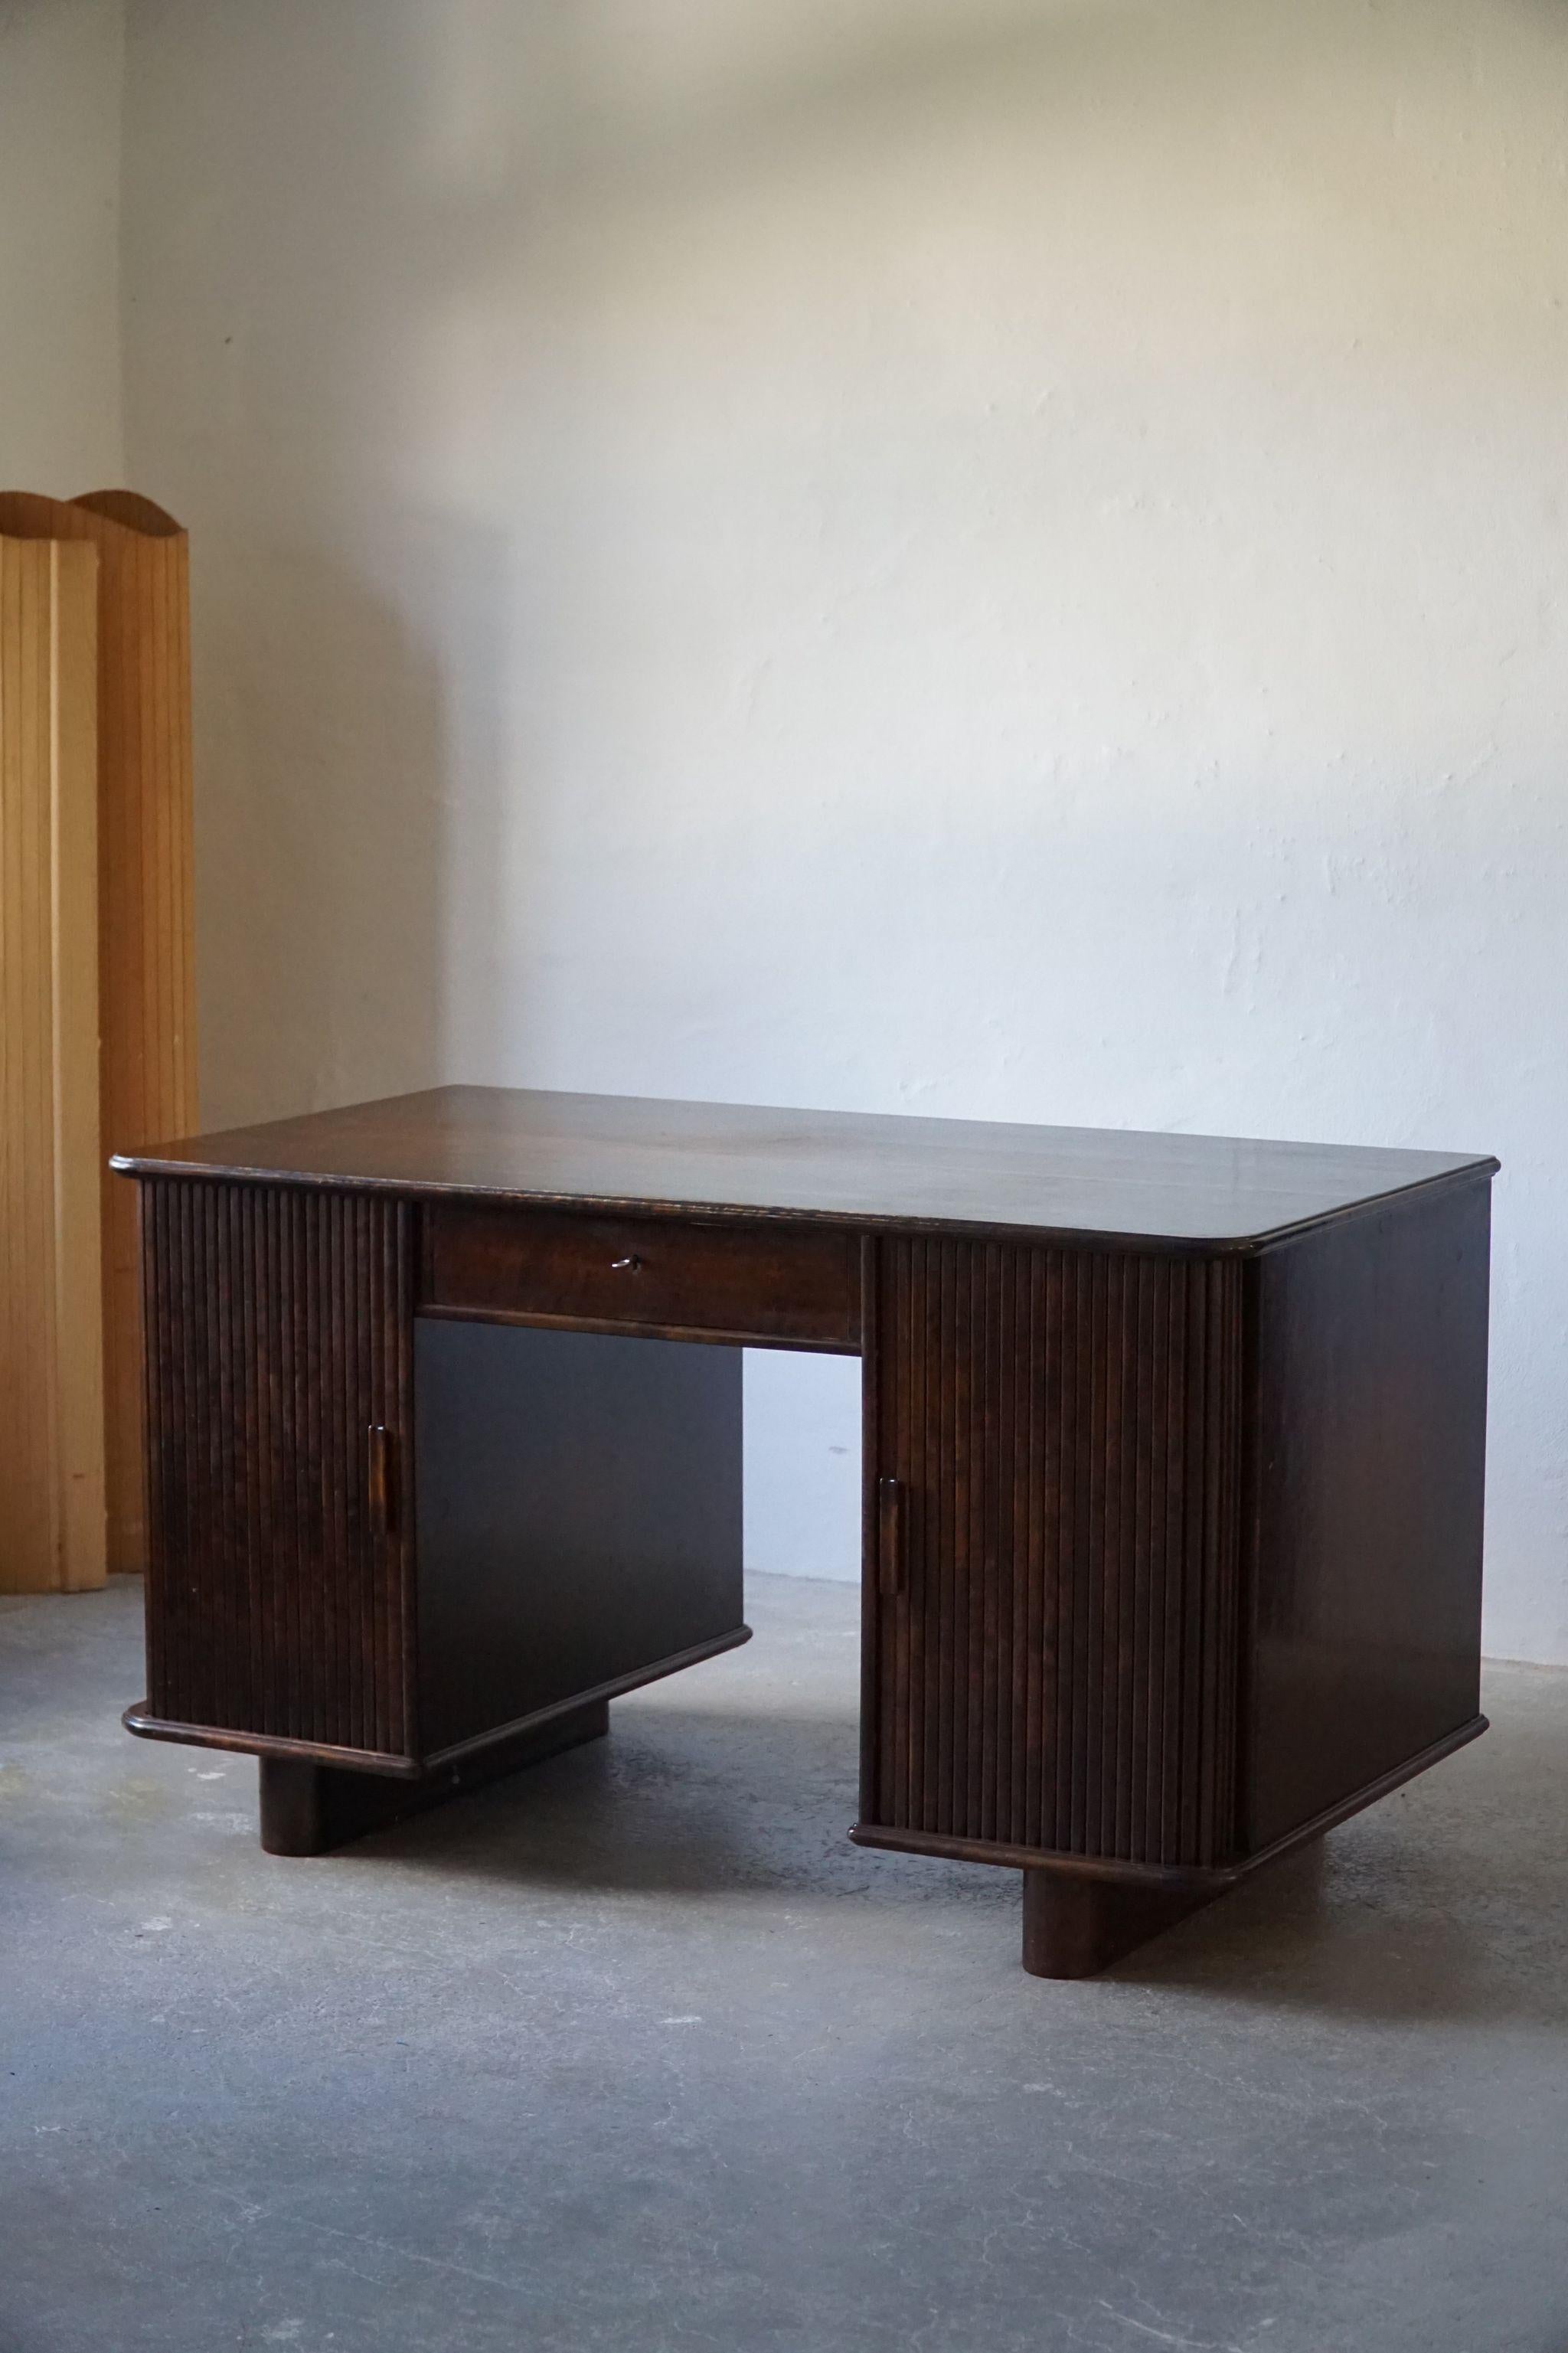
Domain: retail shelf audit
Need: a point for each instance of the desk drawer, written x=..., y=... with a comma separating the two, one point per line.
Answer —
x=787, y=1286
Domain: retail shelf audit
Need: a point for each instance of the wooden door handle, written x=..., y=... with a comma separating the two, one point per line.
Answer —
x=383, y=1483
x=890, y=1537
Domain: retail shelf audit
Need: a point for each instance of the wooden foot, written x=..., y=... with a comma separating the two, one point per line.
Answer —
x=309, y=1809
x=1074, y=1926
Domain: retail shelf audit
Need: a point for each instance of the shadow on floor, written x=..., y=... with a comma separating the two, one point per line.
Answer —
x=1393, y=1918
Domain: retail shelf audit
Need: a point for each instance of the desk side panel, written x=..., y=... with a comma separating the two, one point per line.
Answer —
x=1369, y=1468
x=579, y=1517
x=278, y=1334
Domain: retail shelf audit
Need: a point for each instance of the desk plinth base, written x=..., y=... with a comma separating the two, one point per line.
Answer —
x=309, y=1809
x=1082, y=1915
x=1074, y=1927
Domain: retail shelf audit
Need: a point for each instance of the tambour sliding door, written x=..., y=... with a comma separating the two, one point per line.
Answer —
x=1056, y=1437
x=278, y=1337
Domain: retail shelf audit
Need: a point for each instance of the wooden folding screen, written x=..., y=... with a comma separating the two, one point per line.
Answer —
x=138, y=693
x=51, y=1332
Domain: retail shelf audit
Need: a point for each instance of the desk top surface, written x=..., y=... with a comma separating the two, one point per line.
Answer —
x=639, y=1153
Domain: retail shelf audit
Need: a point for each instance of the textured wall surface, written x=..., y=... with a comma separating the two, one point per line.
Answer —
x=61, y=71
x=996, y=556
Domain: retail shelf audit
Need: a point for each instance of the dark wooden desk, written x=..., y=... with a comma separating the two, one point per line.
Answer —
x=1173, y=1462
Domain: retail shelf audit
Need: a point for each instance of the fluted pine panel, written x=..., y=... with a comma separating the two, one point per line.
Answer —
x=144, y=904
x=277, y=1331
x=51, y=1362
x=1060, y=1673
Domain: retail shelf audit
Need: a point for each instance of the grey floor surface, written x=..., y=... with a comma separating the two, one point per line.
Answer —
x=636, y=2052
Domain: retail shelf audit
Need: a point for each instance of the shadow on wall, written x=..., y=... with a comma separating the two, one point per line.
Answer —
x=597, y=103
x=327, y=728
x=410, y=708
x=361, y=785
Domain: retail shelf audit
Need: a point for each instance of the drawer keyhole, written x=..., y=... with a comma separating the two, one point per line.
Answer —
x=632, y=1265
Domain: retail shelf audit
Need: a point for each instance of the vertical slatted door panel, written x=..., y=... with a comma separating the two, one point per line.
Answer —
x=278, y=1336
x=1060, y=1670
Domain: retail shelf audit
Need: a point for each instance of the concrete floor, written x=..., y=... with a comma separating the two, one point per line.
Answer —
x=637, y=2052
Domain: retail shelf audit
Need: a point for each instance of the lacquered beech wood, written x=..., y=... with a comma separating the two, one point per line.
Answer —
x=1174, y=1460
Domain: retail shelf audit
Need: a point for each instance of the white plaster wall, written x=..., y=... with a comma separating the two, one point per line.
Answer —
x=1001, y=557
x=61, y=66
